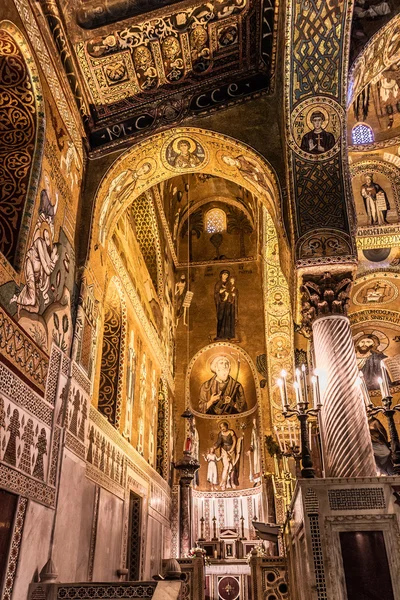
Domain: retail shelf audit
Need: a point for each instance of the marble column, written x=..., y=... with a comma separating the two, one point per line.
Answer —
x=187, y=467
x=345, y=433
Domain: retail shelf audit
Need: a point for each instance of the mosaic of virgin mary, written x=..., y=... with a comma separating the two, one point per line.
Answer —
x=226, y=297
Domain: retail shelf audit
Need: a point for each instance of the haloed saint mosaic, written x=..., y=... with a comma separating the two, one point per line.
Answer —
x=185, y=152
x=224, y=427
x=315, y=129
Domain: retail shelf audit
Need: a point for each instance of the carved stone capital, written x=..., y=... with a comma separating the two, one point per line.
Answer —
x=187, y=466
x=324, y=294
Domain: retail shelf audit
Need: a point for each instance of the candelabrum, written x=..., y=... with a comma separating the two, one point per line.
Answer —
x=386, y=409
x=302, y=412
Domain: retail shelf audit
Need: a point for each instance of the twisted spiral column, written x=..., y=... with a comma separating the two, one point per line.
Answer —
x=346, y=438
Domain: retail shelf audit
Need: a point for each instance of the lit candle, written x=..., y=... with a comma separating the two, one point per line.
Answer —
x=385, y=379
x=364, y=390
x=380, y=381
x=314, y=390
x=280, y=385
x=284, y=375
x=297, y=392
x=303, y=373
x=316, y=375
x=298, y=381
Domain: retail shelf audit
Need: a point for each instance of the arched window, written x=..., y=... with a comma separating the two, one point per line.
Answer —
x=362, y=134
x=215, y=221
x=21, y=141
x=111, y=371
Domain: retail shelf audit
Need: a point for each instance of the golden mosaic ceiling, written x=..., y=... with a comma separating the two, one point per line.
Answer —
x=154, y=69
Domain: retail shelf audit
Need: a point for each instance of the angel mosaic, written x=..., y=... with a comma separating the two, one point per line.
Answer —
x=121, y=187
x=248, y=169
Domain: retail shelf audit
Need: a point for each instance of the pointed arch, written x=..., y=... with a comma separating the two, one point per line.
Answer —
x=155, y=160
x=21, y=141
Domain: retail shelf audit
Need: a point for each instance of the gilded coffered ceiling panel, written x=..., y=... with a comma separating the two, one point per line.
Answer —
x=144, y=70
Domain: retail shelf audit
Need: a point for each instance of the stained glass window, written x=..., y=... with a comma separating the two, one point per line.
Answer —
x=215, y=221
x=362, y=134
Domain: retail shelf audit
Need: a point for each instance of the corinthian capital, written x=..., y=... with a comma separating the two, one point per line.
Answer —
x=324, y=294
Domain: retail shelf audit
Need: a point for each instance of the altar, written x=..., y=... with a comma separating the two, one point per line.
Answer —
x=228, y=580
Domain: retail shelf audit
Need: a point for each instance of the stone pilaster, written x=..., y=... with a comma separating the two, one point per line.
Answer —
x=345, y=434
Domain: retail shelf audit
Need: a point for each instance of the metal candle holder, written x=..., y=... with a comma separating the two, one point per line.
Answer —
x=302, y=412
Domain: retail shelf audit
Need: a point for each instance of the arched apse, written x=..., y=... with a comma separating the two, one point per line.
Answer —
x=181, y=150
x=21, y=141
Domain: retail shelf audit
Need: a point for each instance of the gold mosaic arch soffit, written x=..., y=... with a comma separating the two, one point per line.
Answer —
x=180, y=151
x=380, y=53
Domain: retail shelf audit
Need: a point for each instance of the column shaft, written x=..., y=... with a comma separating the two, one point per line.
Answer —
x=346, y=438
x=185, y=514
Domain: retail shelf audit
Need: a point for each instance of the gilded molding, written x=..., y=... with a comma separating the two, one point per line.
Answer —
x=278, y=318
x=368, y=239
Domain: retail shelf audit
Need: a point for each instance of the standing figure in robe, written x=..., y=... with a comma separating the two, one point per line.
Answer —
x=375, y=201
x=226, y=301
